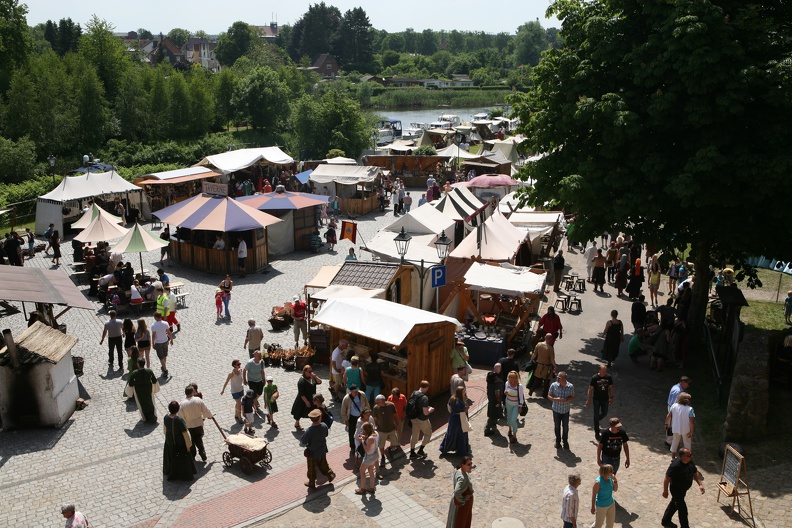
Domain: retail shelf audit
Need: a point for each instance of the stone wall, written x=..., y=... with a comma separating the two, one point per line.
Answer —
x=749, y=398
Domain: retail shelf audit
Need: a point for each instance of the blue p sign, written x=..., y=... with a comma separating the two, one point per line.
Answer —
x=438, y=276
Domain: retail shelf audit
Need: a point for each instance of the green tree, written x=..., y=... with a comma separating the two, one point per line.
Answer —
x=159, y=102
x=13, y=39
x=106, y=53
x=179, y=109
x=93, y=110
x=145, y=34
x=354, y=48
x=530, y=42
x=225, y=86
x=17, y=159
x=428, y=42
x=263, y=98
x=234, y=43
x=320, y=28
x=202, y=106
x=669, y=121
x=131, y=106
x=333, y=121
x=179, y=36
x=69, y=35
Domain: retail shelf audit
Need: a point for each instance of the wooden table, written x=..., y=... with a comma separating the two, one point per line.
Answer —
x=175, y=287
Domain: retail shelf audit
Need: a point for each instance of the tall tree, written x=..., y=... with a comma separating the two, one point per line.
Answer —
x=144, y=34
x=530, y=42
x=263, y=98
x=334, y=121
x=225, y=86
x=179, y=36
x=159, y=102
x=13, y=39
x=179, y=108
x=93, y=111
x=670, y=121
x=354, y=45
x=234, y=43
x=69, y=35
x=106, y=53
x=131, y=107
x=320, y=28
x=202, y=105
x=428, y=42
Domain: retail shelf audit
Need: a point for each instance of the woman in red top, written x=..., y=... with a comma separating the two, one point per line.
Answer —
x=550, y=323
x=400, y=401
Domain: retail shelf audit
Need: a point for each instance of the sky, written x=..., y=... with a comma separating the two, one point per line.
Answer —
x=215, y=16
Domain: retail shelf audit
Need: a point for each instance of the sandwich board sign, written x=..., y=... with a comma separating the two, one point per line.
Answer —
x=733, y=482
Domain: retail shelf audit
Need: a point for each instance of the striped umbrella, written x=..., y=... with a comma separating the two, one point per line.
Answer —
x=283, y=200
x=214, y=213
x=139, y=240
x=100, y=230
x=91, y=214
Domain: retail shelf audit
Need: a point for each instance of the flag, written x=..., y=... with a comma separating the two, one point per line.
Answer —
x=349, y=231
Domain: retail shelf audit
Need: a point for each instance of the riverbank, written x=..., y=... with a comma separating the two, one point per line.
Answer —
x=417, y=97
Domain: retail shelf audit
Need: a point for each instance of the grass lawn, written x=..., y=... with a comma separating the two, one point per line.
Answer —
x=761, y=316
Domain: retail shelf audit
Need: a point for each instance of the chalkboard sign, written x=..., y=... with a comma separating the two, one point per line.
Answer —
x=733, y=482
x=732, y=465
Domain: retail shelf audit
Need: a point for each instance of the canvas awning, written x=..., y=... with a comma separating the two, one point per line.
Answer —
x=90, y=215
x=344, y=174
x=500, y=240
x=176, y=176
x=536, y=218
x=378, y=319
x=339, y=291
x=459, y=204
x=214, y=213
x=505, y=279
x=235, y=160
x=323, y=278
x=89, y=185
x=42, y=286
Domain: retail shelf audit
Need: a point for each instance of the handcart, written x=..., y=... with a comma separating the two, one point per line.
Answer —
x=248, y=449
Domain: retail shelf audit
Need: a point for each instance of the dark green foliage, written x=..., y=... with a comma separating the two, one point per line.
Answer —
x=13, y=39
x=333, y=121
x=17, y=160
x=179, y=36
x=426, y=150
x=234, y=43
x=262, y=99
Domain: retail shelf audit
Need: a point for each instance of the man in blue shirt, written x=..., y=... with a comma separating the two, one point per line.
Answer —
x=561, y=394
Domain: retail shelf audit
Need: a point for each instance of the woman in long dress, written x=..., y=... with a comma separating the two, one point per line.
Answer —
x=636, y=280
x=306, y=388
x=621, y=274
x=177, y=461
x=141, y=383
x=460, y=511
x=456, y=440
x=614, y=337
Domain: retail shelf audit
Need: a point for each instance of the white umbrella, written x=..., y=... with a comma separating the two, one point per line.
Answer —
x=91, y=214
x=139, y=240
x=100, y=230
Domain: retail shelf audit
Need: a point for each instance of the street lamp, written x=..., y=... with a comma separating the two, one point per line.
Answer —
x=402, y=241
x=442, y=245
x=51, y=159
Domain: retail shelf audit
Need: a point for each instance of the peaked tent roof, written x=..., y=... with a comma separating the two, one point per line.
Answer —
x=458, y=204
x=344, y=174
x=214, y=213
x=453, y=151
x=235, y=160
x=424, y=224
x=89, y=185
x=500, y=240
x=423, y=220
x=101, y=229
x=90, y=215
x=176, y=176
x=139, y=240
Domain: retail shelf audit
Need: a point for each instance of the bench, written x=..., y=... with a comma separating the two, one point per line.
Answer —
x=80, y=275
x=145, y=304
x=181, y=299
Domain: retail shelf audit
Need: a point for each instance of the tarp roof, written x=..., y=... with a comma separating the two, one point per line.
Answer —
x=177, y=176
x=423, y=220
x=235, y=160
x=344, y=174
x=528, y=218
x=324, y=277
x=458, y=204
x=89, y=185
x=378, y=319
x=90, y=215
x=40, y=343
x=339, y=291
x=453, y=151
x=512, y=199
x=506, y=147
x=340, y=160
x=215, y=213
x=504, y=279
x=424, y=224
x=500, y=240
x=40, y=285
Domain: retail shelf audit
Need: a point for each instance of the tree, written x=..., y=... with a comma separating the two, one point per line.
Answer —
x=332, y=121
x=428, y=42
x=93, y=111
x=69, y=35
x=202, y=107
x=179, y=108
x=13, y=39
x=17, y=160
x=179, y=36
x=131, y=107
x=669, y=121
x=354, y=48
x=224, y=93
x=263, y=98
x=144, y=34
x=159, y=102
x=530, y=42
x=319, y=32
x=234, y=43
x=106, y=53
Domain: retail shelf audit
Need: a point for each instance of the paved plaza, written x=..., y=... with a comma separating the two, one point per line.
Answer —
x=109, y=463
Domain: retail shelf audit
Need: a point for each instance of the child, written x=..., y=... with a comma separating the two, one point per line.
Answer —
x=219, y=301
x=247, y=408
x=271, y=395
x=327, y=418
x=788, y=307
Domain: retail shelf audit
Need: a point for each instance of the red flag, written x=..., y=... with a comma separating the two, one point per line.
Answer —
x=349, y=231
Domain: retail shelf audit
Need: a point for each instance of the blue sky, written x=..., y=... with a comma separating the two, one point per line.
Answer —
x=216, y=16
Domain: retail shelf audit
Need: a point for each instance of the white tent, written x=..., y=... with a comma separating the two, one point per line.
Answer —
x=499, y=240
x=339, y=291
x=453, y=152
x=348, y=177
x=63, y=204
x=382, y=320
x=235, y=160
x=458, y=204
x=340, y=160
x=505, y=279
x=91, y=214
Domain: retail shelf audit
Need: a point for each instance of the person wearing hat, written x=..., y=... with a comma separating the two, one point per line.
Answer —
x=460, y=358
x=315, y=440
x=248, y=407
x=298, y=312
x=610, y=445
x=271, y=396
x=351, y=409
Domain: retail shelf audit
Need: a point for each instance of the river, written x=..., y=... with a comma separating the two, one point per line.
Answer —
x=427, y=115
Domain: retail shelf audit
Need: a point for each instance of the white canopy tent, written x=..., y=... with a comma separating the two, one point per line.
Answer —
x=499, y=241
x=340, y=160
x=339, y=291
x=91, y=214
x=348, y=177
x=322, y=279
x=64, y=203
x=505, y=279
x=378, y=319
x=235, y=160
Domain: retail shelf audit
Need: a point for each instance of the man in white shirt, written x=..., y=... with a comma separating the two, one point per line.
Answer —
x=590, y=253
x=161, y=336
x=219, y=242
x=337, y=369
x=194, y=411
x=570, y=502
x=242, y=254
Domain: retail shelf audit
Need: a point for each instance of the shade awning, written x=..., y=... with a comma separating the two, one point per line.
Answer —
x=378, y=319
x=344, y=174
x=89, y=185
x=505, y=279
x=101, y=229
x=339, y=291
x=279, y=201
x=176, y=176
x=324, y=277
x=235, y=160
x=215, y=213
x=90, y=215
x=40, y=285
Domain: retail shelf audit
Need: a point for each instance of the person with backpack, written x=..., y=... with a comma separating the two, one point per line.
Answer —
x=418, y=411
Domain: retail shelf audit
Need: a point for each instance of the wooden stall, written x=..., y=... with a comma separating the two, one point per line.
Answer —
x=413, y=344
x=194, y=253
x=354, y=185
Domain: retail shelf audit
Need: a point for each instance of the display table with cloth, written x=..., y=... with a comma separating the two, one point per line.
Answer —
x=483, y=351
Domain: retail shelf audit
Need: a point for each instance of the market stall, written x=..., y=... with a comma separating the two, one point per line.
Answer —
x=204, y=216
x=353, y=185
x=65, y=203
x=413, y=344
x=464, y=208
x=170, y=187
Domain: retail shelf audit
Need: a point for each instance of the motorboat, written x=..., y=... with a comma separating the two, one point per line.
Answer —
x=414, y=131
x=388, y=130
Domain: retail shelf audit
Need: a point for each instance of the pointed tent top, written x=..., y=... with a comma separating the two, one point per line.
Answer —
x=101, y=229
x=90, y=215
x=139, y=240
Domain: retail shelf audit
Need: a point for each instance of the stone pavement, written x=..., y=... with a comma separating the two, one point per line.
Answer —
x=109, y=463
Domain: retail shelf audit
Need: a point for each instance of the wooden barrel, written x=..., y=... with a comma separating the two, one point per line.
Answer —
x=301, y=361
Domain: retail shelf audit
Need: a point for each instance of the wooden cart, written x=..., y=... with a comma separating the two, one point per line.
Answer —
x=248, y=449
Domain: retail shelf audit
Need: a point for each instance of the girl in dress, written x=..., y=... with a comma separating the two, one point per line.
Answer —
x=368, y=471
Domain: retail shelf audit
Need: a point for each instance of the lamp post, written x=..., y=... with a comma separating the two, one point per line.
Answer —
x=51, y=159
x=442, y=245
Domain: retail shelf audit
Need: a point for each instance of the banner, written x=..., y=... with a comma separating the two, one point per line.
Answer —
x=349, y=231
